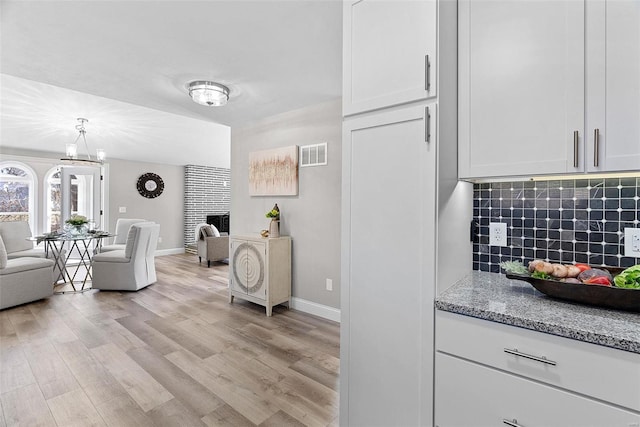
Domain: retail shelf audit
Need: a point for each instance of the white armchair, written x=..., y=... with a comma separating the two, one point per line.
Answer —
x=24, y=279
x=123, y=225
x=15, y=235
x=132, y=268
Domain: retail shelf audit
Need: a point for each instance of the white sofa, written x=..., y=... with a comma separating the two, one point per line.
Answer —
x=123, y=225
x=24, y=279
x=132, y=268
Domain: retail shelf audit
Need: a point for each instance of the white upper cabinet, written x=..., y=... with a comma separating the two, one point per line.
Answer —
x=521, y=87
x=613, y=85
x=389, y=53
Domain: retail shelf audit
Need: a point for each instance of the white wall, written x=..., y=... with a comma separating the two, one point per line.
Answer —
x=312, y=218
x=166, y=209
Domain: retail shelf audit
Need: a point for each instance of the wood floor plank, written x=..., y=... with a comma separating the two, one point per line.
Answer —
x=226, y=416
x=74, y=409
x=150, y=336
x=141, y=386
x=15, y=371
x=90, y=334
x=316, y=372
x=52, y=322
x=123, y=411
x=26, y=326
x=255, y=376
x=242, y=399
x=116, y=333
x=26, y=407
x=52, y=374
x=96, y=381
x=281, y=419
x=182, y=337
x=174, y=414
x=3, y=423
x=191, y=393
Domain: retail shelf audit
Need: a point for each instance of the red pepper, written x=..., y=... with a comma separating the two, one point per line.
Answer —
x=598, y=280
x=583, y=267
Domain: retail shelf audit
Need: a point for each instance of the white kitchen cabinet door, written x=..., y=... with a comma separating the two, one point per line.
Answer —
x=389, y=173
x=521, y=86
x=468, y=394
x=389, y=55
x=613, y=85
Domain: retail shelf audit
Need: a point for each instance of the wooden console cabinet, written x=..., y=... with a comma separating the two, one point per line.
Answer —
x=260, y=270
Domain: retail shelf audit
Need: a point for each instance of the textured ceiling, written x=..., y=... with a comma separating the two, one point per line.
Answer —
x=275, y=56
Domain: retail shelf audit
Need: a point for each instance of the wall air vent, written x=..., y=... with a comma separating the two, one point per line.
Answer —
x=313, y=155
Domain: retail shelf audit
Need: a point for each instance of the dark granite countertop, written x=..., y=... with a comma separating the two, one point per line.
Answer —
x=492, y=296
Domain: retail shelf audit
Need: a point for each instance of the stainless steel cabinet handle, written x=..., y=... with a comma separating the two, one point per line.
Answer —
x=427, y=73
x=427, y=125
x=541, y=359
x=511, y=423
x=596, y=147
x=575, y=148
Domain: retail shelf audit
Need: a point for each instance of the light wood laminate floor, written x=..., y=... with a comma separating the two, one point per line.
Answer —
x=173, y=354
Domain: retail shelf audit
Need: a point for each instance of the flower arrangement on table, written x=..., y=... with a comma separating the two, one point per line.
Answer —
x=77, y=220
x=76, y=225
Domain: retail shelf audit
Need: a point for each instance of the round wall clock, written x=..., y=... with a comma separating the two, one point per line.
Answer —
x=150, y=185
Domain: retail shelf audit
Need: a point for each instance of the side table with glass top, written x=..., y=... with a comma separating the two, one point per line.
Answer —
x=86, y=245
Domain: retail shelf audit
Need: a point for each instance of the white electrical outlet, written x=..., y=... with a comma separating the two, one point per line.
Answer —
x=497, y=234
x=159, y=239
x=329, y=284
x=122, y=209
x=632, y=242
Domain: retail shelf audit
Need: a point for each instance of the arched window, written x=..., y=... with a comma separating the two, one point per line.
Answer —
x=17, y=193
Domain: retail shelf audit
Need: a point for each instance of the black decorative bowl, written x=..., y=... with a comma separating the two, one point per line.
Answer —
x=602, y=296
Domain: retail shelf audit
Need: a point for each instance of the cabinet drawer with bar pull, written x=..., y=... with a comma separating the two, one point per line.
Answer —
x=469, y=394
x=590, y=369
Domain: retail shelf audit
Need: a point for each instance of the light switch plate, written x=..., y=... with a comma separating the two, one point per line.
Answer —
x=632, y=242
x=497, y=234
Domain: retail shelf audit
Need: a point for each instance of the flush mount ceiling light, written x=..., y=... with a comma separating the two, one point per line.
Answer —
x=72, y=149
x=208, y=93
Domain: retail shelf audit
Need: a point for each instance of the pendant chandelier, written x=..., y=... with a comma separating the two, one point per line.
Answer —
x=72, y=149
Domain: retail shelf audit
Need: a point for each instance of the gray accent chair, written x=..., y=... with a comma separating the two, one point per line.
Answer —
x=211, y=245
x=123, y=225
x=131, y=268
x=24, y=279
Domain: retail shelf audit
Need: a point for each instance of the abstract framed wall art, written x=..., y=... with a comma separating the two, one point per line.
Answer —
x=274, y=172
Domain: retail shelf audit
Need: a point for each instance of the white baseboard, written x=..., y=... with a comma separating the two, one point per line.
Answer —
x=173, y=251
x=316, y=309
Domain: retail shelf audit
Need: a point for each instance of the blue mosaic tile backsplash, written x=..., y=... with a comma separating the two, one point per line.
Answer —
x=564, y=221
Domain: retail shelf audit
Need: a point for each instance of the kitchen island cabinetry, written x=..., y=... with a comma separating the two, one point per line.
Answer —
x=504, y=351
x=524, y=67
x=470, y=394
x=389, y=53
